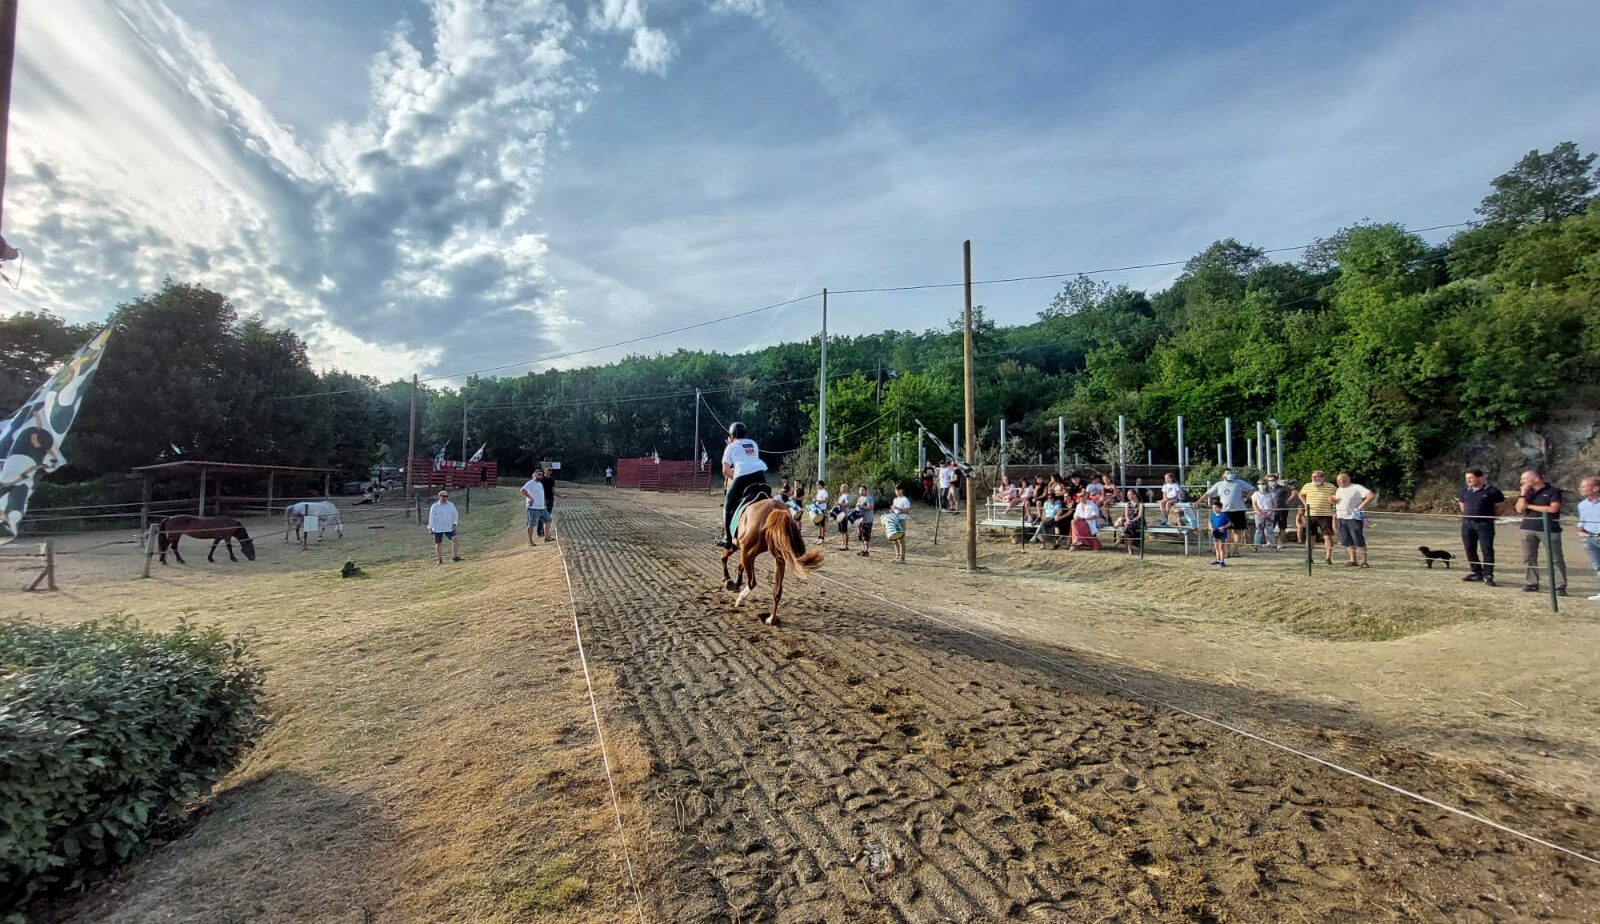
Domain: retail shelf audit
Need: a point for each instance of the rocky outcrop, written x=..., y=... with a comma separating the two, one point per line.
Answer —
x=1565, y=447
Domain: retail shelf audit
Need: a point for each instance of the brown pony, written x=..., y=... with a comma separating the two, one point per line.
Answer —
x=768, y=526
x=218, y=529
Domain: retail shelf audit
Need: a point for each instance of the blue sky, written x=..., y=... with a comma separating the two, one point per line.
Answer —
x=443, y=185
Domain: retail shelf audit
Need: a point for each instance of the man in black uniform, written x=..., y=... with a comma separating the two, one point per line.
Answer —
x=1480, y=503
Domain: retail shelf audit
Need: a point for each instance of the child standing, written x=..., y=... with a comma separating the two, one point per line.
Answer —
x=864, y=519
x=1261, y=509
x=1219, y=533
x=842, y=511
x=896, y=523
x=819, y=510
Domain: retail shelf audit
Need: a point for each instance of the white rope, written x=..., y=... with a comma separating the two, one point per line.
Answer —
x=605, y=761
x=1470, y=816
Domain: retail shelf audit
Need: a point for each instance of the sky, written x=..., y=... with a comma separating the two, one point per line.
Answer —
x=442, y=186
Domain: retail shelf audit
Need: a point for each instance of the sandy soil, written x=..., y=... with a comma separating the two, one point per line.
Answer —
x=865, y=763
x=432, y=756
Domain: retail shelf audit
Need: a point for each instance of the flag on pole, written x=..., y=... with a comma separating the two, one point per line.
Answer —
x=30, y=442
x=964, y=466
x=438, y=457
x=478, y=456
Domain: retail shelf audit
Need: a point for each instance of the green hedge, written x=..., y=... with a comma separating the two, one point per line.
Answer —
x=107, y=732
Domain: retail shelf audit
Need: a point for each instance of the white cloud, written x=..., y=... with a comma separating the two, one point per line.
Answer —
x=651, y=50
x=399, y=241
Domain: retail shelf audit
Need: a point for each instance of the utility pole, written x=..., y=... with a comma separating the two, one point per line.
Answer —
x=411, y=442
x=1277, y=443
x=822, y=397
x=1061, y=445
x=971, y=412
x=694, y=444
x=8, y=54
x=922, y=450
x=1227, y=436
x=463, y=428
x=1261, y=446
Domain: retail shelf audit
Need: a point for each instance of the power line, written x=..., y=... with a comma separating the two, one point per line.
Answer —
x=764, y=308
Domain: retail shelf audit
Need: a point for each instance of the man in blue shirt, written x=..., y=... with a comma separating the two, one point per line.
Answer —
x=1541, y=501
x=1589, y=522
x=1480, y=503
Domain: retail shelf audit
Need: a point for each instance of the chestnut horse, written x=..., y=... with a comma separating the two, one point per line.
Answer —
x=217, y=529
x=768, y=526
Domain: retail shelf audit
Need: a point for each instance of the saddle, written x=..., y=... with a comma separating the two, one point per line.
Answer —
x=752, y=493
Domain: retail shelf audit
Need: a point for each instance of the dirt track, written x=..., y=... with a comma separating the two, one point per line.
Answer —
x=863, y=764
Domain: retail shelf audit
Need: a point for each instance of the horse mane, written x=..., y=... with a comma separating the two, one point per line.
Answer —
x=785, y=538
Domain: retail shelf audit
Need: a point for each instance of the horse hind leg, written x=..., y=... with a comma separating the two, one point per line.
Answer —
x=777, y=591
x=747, y=569
x=210, y=555
x=175, y=550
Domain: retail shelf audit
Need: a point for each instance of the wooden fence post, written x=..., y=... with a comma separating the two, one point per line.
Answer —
x=150, y=541
x=47, y=576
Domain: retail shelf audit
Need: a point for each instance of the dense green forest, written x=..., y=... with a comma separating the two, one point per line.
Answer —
x=1373, y=351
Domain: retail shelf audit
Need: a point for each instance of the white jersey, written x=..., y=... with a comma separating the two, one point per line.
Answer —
x=944, y=479
x=901, y=505
x=1172, y=492
x=821, y=497
x=744, y=457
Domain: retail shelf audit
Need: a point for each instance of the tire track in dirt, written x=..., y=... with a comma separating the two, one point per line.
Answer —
x=858, y=764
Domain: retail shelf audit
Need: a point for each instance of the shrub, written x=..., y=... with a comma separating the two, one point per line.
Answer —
x=107, y=732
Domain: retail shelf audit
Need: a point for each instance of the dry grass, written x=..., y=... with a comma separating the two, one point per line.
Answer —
x=432, y=757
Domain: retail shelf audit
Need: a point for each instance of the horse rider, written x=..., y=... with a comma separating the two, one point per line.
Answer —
x=741, y=468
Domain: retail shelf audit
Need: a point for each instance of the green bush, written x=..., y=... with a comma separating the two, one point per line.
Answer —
x=107, y=732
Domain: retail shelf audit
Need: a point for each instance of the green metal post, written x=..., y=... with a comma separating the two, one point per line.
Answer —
x=1310, y=569
x=1550, y=562
x=1143, y=530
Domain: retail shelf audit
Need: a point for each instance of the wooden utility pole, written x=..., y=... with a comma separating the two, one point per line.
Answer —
x=8, y=53
x=411, y=442
x=822, y=397
x=694, y=444
x=971, y=414
x=463, y=427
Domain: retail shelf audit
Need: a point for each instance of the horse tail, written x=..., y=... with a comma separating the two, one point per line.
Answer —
x=785, y=538
x=162, y=542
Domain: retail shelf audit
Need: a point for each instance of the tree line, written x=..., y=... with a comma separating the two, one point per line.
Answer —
x=1373, y=351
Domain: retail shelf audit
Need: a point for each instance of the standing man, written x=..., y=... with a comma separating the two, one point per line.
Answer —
x=538, y=513
x=1589, y=522
x=1233, y=493
x=550, y=502
x=742, y=468
x=608, y=476
x=1350, y=503
x=443, y=520
x=1318, y=500
x=943, y=499
x=1538, y=498
x=1480, y=503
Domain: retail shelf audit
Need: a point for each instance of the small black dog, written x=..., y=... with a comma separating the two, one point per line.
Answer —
x=1433, y=555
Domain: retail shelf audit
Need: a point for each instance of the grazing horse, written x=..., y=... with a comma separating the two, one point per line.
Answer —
x=768, y=526
x=218, y=529
x=326, y=512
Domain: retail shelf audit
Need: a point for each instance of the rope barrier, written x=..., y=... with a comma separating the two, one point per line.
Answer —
x=599, y=731
x=1216, y=723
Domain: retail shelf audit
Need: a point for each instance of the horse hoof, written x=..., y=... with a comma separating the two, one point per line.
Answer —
x=771, y=620
x=739, y=600
x=730, y=585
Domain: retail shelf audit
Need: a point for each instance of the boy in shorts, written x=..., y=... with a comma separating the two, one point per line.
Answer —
x=1219, y=533
x=864, y=520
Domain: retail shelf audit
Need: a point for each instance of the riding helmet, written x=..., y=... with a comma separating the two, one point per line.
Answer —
x=737, y=430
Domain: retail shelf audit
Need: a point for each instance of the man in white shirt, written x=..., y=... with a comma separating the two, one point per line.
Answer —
x=443, y=520
x=1589, y=522
x=1233, y=493
x=538, y=513
x=944, y=485
x=743, y=469
x=1350, y=503
x=608, y=476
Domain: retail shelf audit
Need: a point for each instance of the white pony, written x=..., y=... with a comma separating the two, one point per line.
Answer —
x=326, y=512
